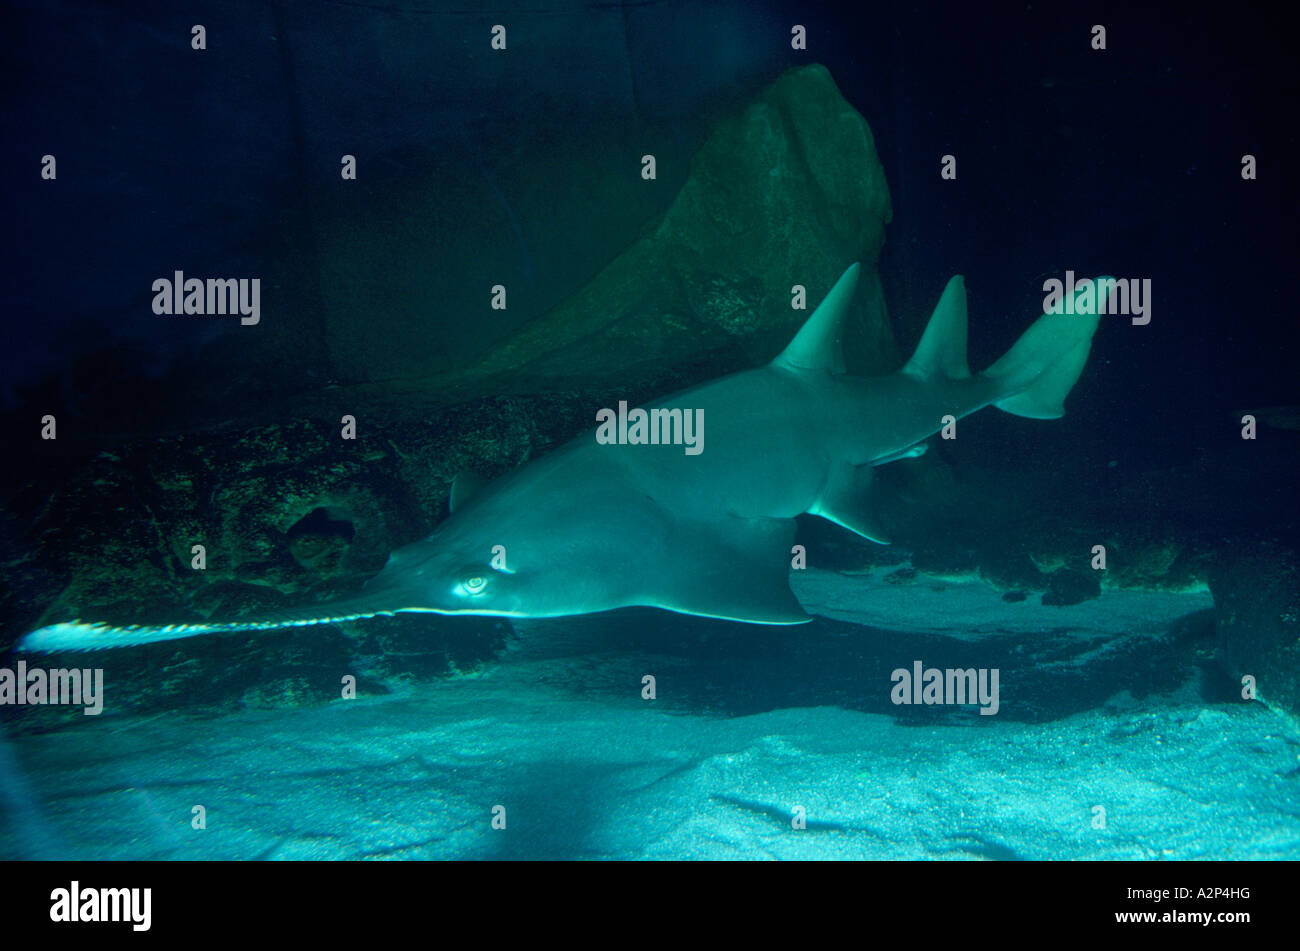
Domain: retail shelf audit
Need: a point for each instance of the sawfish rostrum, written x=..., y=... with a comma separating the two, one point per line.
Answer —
x=594, y=526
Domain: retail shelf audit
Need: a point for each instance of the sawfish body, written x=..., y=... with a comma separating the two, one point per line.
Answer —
x=593, y=527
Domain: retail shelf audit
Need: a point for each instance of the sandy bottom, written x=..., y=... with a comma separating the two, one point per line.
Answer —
x=585, y=768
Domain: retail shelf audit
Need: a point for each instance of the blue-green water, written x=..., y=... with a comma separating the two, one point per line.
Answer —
x=618, y=202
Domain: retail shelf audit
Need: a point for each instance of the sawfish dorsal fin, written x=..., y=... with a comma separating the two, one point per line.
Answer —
x=942, y=350
x=817, y=344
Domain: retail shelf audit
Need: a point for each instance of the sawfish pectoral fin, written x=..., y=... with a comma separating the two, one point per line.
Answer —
x=733, y=568
x=846, y=501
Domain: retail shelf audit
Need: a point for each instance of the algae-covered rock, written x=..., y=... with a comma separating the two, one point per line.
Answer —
x=1153, y=557
x=1007, y=567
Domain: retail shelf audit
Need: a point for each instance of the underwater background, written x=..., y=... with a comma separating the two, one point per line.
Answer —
x=1147, y=710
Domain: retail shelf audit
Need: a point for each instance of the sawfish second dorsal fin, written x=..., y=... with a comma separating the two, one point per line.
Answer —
x=817, y=344
x=942, y=350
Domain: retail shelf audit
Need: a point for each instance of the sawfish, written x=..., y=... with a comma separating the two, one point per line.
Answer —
x=594, y=526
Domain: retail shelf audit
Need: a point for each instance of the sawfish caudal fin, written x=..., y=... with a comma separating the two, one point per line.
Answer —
x=1038, y=372
x=88, y=636
x=817, y=344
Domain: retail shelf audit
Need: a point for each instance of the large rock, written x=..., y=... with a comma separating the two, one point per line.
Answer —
x=1257, y=602
x=789, y=192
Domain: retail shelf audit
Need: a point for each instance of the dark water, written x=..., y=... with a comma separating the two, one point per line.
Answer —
x=1145, y=708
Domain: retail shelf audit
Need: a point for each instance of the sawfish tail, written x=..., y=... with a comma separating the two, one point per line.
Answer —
x=1041, y=368
x=92, y=636
x=1033, y=378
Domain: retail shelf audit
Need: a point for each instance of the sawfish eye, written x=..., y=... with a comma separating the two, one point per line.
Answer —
x=474, y=585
